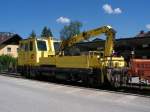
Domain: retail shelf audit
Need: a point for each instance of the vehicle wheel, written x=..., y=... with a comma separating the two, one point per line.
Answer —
x=116, y=80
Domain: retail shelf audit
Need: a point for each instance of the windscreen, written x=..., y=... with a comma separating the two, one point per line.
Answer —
x=41, y=45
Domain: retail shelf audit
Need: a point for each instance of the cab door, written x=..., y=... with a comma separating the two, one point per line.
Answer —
x=23, y=53
x=27, y=52
x=32, y=52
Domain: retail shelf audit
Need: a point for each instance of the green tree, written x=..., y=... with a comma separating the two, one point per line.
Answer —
x=46, y=32
x=33, y=34
x=70, y=30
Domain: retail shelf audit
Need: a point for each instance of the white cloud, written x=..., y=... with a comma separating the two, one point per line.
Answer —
x=117, y=11
x=63, y=20
x=109, y=10
x=148, y=26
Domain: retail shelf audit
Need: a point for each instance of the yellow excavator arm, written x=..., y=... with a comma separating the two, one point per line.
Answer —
x=107, y=30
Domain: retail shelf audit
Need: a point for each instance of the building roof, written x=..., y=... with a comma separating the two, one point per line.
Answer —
x=143, y=34
x=6, y=37
x=136, y=41
x=97, y=39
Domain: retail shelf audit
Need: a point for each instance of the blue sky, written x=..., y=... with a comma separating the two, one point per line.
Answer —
x=127, y=17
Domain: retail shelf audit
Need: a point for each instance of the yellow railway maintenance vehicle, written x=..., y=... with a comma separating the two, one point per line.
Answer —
x=37, y=57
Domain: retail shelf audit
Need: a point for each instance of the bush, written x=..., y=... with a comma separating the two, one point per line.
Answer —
x=7, y=62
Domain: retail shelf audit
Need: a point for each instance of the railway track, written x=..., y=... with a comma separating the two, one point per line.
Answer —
x=128, y=90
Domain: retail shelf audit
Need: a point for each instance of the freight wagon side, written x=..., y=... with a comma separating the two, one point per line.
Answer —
x=140, y=68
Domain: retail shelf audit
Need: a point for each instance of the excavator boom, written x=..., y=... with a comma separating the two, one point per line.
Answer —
x=107, y=30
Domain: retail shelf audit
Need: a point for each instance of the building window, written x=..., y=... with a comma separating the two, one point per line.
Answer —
x=17, y=49
x=145, y=45
x=8, y=49
x=144, y=57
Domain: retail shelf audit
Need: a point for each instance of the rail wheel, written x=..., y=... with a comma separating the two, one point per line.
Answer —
x=115, y=79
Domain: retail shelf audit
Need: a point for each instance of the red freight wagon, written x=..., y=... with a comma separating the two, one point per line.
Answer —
x=140, y=68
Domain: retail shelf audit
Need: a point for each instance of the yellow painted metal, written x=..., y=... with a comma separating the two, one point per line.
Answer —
x=87, y=61
x=72, y=61
x=93, y=59
x=115, y=62
x=51, y=60
x=24, y=56
x=36, y=57
x=29, y=54
x=50, y=44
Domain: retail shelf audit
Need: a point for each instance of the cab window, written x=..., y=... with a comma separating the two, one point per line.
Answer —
x=26, y=47
x=41, y=45
x=21, y=47
x=31, y=45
